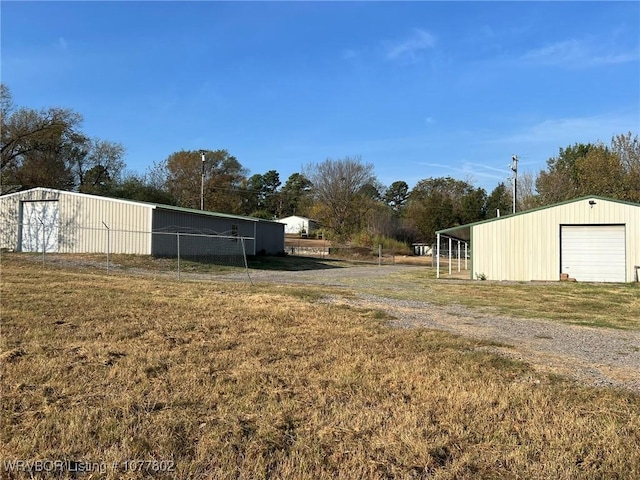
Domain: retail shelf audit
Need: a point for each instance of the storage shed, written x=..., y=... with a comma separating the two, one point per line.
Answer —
x=589, y=239
x=67, y=222
x=298, y=225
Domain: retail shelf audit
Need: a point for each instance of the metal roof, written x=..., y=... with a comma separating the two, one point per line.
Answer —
x=148, y=204
x=463, y=232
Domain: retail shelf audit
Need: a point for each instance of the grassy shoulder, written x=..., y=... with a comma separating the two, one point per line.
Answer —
x=588, y=304
x=226, y=381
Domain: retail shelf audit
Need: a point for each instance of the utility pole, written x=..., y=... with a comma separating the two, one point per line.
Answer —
x=202, y=182
x=514, y=168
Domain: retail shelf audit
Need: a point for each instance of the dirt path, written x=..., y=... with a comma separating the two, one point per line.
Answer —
x=595, y=356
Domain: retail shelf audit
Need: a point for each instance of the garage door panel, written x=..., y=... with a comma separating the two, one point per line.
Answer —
x=593, y=253
x=40, y=226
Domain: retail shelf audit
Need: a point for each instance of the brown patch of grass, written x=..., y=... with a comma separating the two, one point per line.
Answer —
x=233, y=382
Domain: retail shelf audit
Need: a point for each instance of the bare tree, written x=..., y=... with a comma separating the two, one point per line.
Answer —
x=527, y=198
x=338, y=187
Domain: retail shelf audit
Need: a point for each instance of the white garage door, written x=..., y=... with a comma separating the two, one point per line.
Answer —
x=593, y=253
x=40, y=226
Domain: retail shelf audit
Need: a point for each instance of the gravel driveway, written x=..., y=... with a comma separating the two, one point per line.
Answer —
x=595, y=356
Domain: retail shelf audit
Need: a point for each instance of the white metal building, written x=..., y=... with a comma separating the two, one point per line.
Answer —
x=298, y=225
x=589, y=239
x=68, y=222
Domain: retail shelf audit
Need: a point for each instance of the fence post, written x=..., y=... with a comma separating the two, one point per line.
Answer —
x=178, y=245
x=44, y=241
x=379, y=254
x=108, y=243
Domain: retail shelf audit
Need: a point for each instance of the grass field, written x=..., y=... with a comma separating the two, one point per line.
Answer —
x=223, y=380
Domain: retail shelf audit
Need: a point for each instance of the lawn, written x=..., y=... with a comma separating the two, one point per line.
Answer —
x=135, y=377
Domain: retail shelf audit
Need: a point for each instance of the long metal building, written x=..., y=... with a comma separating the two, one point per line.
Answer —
x=591, y=239
x=43, y=219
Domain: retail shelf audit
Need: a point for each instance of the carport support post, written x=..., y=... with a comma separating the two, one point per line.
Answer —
x=458, y=255
x=466, y=254
x=437, y=255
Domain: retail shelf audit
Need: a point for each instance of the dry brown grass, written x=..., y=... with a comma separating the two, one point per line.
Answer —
x=235, y=382
x=611, y=305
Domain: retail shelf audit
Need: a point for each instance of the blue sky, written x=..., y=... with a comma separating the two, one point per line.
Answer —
x=418, y=89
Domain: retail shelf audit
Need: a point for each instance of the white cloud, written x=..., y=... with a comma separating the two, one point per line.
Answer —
x=572, y=130
x=409, y=50
x=575, y=53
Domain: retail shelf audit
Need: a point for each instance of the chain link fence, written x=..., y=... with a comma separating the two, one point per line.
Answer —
x=351, y=253
x=457, y=255
x=174, y=249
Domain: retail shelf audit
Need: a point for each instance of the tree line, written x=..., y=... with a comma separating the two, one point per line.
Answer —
x=47, y=148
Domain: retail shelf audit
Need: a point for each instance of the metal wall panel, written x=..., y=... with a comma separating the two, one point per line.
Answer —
x=270, y=238
x=260, y=235
x=171, y=221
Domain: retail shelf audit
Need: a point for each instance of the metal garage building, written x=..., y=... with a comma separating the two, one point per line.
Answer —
x=67, y=222
x=298, y=225
x=590, y=239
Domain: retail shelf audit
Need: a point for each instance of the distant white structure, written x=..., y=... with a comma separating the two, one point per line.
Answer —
x=298, y=225
x=422, y=249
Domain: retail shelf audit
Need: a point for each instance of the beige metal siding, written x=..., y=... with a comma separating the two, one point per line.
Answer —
x=128, y=225
x=9, y=220
x=527, y=246
x=81, y=228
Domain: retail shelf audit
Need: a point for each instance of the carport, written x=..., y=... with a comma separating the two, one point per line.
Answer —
x=458, y=240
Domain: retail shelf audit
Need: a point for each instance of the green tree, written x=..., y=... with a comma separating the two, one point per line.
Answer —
x=135, y=187
x=439, y=203
x=499, y=199
x=627, y=149
x=100, y=165
x=262, y=197
x=224, y=178
x=561, y=180
x=600, y=172
x=593, y=169
x=296, y=196
x=46, y=148
x=396, y=196
x=37, y=148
